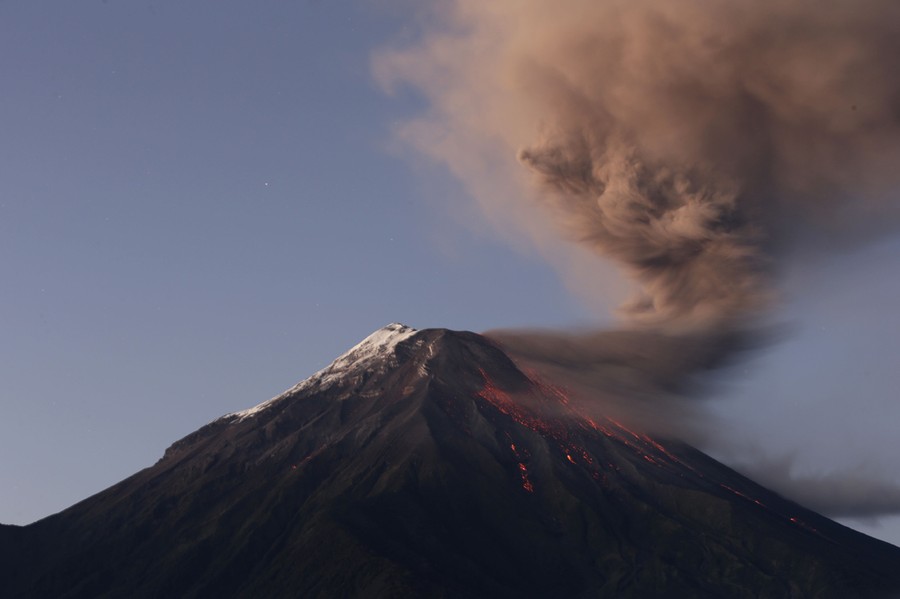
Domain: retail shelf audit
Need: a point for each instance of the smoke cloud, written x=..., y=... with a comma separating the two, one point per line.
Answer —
x=691, y=141
x=695, y=143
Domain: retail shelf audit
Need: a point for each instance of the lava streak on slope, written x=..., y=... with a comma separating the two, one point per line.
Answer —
x=548, y=411
x=503, y=402
x=522, y=455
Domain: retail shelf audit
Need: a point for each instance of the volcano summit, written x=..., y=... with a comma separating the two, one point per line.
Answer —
x=427, y=464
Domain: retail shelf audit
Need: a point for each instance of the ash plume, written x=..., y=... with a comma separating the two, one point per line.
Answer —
x=691, y=141
x=695, y=143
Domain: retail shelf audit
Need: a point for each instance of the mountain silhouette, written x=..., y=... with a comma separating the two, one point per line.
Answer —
x=427, y=464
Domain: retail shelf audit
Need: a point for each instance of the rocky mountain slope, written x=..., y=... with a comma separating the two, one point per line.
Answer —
x=426, y=464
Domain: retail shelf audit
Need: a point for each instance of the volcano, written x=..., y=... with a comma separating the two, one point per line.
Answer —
x=427, y=464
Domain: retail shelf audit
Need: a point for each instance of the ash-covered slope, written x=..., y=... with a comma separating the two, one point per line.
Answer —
x=426, y=464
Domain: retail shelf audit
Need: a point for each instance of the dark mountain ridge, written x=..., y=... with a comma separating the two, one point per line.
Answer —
x=427, y=464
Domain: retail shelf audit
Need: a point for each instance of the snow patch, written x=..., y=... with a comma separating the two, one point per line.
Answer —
x=359, y=358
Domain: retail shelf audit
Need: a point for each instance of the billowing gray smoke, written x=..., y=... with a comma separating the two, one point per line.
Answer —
x=694, y=142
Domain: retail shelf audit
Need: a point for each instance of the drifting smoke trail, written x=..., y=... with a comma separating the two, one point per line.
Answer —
x=694, y=142
x=858, y=493
x=644, y=378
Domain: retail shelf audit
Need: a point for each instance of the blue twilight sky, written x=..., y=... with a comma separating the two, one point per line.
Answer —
x=201, y=203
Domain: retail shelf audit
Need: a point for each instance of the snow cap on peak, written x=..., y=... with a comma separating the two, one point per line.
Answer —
x=394, y=329
x=381, y=340
x=363, y=355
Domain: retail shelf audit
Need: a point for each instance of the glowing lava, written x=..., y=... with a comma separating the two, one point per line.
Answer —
x=526, y=484
x=549, y=411
x=522, y=454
